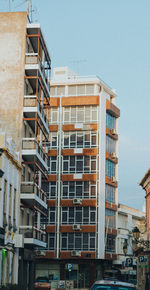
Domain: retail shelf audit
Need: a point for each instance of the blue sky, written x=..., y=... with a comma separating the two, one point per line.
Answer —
x=111, y=39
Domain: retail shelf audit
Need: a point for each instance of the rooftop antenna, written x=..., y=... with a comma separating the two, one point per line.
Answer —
x=78, y=62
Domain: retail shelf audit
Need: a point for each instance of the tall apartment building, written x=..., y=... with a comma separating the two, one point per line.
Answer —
x=82, y=182
x=24, y=95
x=10, y=165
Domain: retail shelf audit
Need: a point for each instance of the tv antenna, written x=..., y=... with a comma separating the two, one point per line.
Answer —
x=30, y=9
x=78, y=62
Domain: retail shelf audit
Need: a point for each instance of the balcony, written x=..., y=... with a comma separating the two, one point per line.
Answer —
x=32, y=106
x=32, y=149
x=32, y=194
x=34, y=63
x=33, y=236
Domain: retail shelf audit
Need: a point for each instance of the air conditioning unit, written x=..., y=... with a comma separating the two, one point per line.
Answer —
x=113, y=155
x=76, y=227
x=43, y=227
x=77, y=201
x=113, y=179
x=76, y=253
x=113, y=131
x=40, y=253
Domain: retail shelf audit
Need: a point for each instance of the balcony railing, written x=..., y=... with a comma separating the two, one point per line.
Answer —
x=31, y=101
x=29, y=187
x=31, y=232
x=32, y=144
x=31, y=58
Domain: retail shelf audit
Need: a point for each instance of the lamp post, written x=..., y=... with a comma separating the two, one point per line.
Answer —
x=145, y=243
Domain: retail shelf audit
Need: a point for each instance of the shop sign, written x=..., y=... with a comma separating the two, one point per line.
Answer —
x=2, y=236
x=62, y=284
x=69, y=267
x=142, y=262
x=129, y=262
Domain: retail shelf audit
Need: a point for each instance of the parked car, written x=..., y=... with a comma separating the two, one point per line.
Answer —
x=112, y=285
x=42, y=283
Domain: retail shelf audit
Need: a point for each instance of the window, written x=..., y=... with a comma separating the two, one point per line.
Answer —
x=80, y=114
x=110, y=144
x=84, y=139
x=51, y=241
x=52, y=215
x=52, y=164
x=79, y=164
x=53, y=115
x=110, y=243
x=52, y=190
x=110, y=169
x=110, y=121
x=5, y=196
x=79, y=189
x=10, y=200
x=110, y=218
x=109, y=193
x=53, y=140
x=14, y=207
x=78, y=215
x=78, y=241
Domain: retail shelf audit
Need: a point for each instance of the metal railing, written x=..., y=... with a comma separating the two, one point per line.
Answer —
x=31, y=232
x=32, y=144
x=30, y=187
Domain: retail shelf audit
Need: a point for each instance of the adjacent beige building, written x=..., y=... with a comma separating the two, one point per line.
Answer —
x=24, y=95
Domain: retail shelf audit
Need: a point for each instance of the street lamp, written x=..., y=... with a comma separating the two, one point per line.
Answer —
x=136, y=235
x=125, y=247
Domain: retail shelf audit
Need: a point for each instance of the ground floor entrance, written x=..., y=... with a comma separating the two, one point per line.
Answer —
x=72, y=273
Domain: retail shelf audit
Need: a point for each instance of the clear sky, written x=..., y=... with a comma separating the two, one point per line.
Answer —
x=111, y=39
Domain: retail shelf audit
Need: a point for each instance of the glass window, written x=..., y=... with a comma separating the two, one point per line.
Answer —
x=110, y=218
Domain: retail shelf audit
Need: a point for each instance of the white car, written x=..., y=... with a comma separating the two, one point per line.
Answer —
x=112, y=285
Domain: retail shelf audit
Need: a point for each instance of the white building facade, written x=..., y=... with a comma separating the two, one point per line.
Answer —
x=128, y=218
x=9, y=211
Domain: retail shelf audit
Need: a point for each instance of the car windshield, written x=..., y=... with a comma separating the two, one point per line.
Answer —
x=42, y=279
x=109, y=287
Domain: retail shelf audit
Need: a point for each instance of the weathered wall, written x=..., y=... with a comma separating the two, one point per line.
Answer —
x=12, y=61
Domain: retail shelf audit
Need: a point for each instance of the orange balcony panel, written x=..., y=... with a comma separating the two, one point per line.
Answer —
x=71, y=127
x=94, y=126
x=68, y=152
x=111, y=231
x=66, y=229
x=53, y=128
x=110, y=205
x=67, y=202
x=50, y=229
x=112, y=109
x=109, y=256
x=51, y=202
x=109, y=181
x=89, y=202
x=84, y=229
x=52, y=177
x=54, y=102
x=111, y=158
x=49, y=255
x=67, y=255
x=109, y=132
x=85, y=202
x=80, y=101
x=85, y=177
x=88, y=229
x=88, y=152
x=52, y=152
